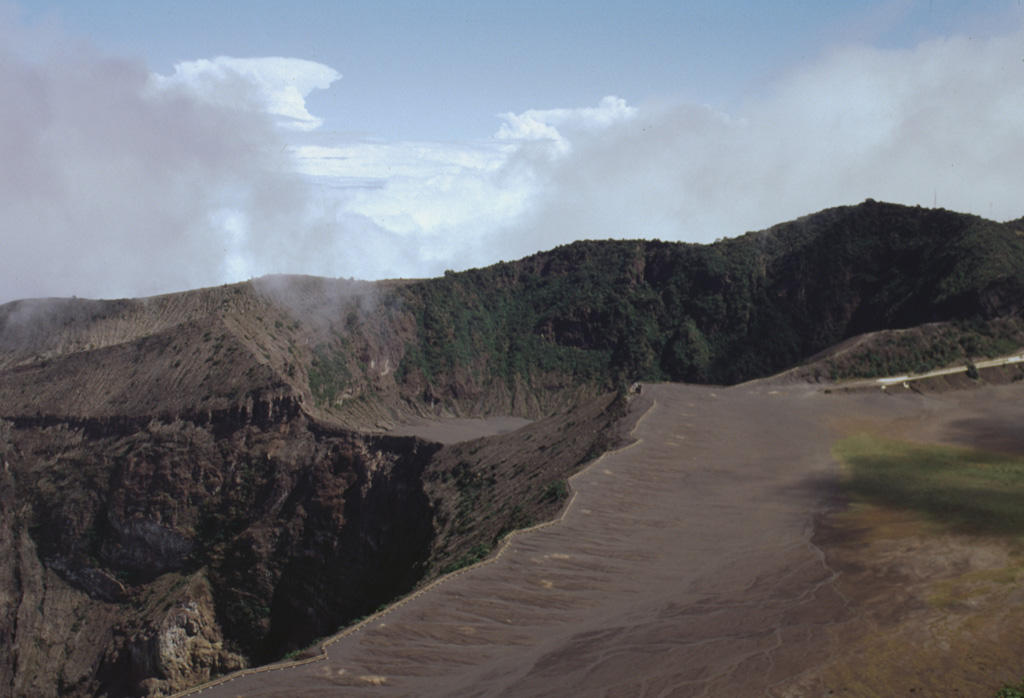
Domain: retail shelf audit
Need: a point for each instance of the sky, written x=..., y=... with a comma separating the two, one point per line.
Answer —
x=155, y=147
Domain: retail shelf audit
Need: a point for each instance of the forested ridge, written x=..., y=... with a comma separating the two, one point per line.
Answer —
x=197, y=482
x=721, y=313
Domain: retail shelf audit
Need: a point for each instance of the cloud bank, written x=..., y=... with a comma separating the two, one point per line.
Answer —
x=115, y=181
x=942, y=123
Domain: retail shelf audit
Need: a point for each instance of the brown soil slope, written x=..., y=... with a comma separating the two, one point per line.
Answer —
x=689, y=565
x=181, y=495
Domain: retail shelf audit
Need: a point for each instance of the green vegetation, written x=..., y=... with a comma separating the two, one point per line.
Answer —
x=927, y=349
x=329, y=373
x=476, y=554
x=945, y=288
x=963, y=489
x=1011, y=691
x=298, y=651
x=611, y=312
x=247, y=614
x=470, y=485
x=555, y=491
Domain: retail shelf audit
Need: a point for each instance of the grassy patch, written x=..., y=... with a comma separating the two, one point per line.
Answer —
x=555, y=491
x=964, y=489
x=952, y=592
x=329, y=373
x=476, y=554
x=1011, y=691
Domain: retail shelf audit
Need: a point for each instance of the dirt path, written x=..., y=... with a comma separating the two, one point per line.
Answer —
x=686, y=566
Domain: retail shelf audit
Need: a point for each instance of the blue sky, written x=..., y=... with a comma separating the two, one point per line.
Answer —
x=157, y=146
x=446, y=69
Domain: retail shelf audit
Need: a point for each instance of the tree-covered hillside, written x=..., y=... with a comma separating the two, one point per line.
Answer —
x=719, y=313
x=202, y=460
x=519, y=337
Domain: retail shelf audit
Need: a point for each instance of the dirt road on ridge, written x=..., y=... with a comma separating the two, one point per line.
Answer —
x=684, y=567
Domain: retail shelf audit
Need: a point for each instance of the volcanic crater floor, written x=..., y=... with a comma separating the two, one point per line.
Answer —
x=713, y=557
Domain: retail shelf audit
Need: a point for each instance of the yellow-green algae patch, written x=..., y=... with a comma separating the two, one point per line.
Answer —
x=960, y=489
x=945, y=526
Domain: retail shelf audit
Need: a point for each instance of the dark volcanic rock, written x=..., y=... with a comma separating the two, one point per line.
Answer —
x=205, y=550
x=199, y=481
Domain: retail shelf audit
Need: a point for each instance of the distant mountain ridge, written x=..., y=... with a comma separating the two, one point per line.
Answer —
x=212, y=462
x=721, y=313
x=510, y=336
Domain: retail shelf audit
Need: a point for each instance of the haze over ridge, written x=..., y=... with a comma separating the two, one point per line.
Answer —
x=122, y=179
x=204, y=481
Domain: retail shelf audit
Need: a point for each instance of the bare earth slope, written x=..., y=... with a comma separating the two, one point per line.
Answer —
x=197, y=483
x=694, y=564
x=686, y=566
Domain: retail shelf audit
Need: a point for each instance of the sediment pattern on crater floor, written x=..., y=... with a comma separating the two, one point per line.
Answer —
x=684, y=567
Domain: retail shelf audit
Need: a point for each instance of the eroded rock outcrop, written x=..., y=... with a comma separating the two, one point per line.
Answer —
x=153, y=559
x=185, y=646
x=198, y=480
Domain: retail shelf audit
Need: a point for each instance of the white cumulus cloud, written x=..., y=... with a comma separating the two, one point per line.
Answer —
x=560, y=126
x=442, y=204
x=942, y=122
x=278, y=86
x=114, y=181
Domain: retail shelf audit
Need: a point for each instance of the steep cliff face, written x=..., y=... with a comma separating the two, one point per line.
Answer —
x=151, y=559
x=182, y=645
x=199, y=481
x=182, y=493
